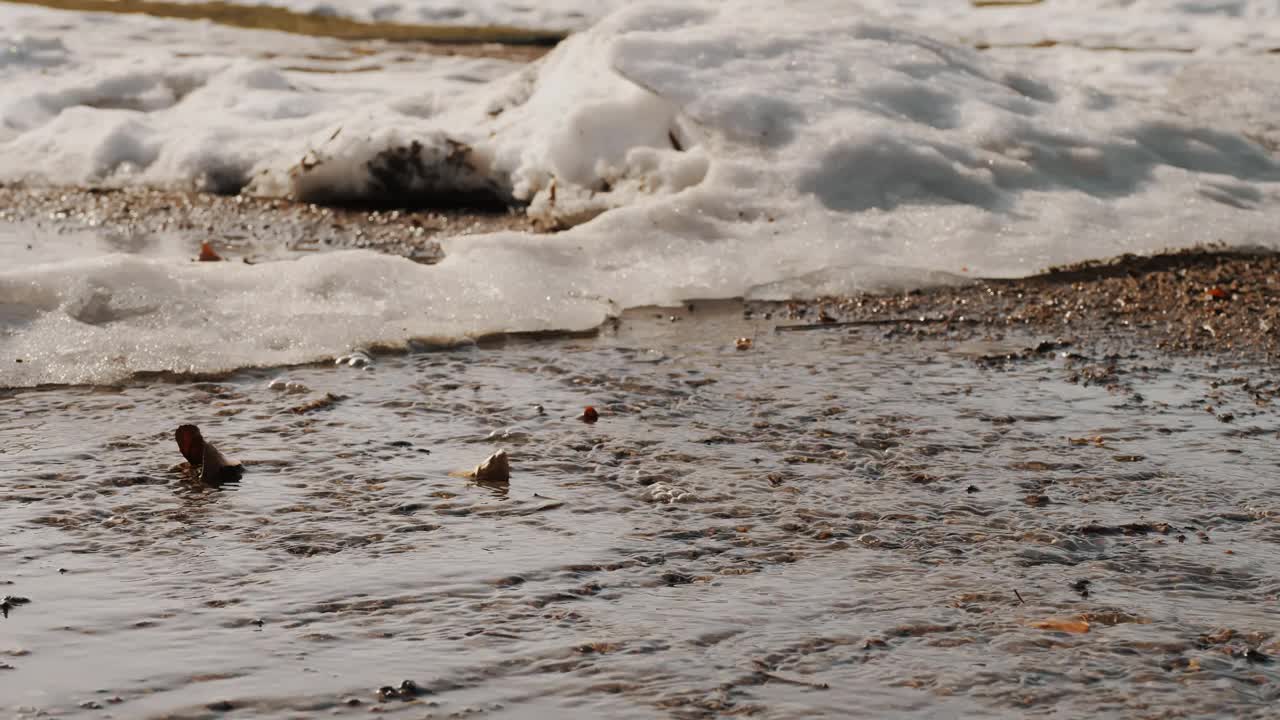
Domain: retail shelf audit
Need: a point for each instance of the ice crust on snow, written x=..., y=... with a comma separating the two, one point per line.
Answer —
x=106, y=318
x=694, y=150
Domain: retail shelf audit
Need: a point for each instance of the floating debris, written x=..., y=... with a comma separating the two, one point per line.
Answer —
x=208, y=464
x=495, y=470
x=408, y=690
x=8, y=602
x=589, y=415
x=208, y=254
x=1068, y=625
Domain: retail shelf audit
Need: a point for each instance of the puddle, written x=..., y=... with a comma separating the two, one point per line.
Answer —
x=826, y=520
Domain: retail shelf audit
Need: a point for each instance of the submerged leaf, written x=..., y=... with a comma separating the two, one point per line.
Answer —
x=1067, y=625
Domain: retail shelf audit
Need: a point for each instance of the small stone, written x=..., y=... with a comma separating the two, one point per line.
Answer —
x=495, y=470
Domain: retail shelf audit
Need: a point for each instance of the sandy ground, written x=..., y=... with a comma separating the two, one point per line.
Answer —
x=1205, y=300
x=480, y=41
x=247, y=227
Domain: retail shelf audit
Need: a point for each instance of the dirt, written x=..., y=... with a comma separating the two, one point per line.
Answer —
x=1204, y=300
x=244, y=227
x=484, y=41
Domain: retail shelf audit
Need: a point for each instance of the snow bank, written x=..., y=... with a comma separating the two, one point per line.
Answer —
x=106, y=318
x=697, y=149
x=132, y=99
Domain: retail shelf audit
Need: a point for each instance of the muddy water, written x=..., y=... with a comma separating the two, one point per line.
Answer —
x=827, y=524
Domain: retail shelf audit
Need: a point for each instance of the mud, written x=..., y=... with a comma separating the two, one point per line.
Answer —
x=241, y=227
x=1202, y=301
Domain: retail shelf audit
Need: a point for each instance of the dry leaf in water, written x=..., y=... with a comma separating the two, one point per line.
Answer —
x=209, y=464
x=1067, y=625
x=589, y=415
x=495, y=470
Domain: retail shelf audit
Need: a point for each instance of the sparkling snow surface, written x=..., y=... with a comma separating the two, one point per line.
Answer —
x=699, y=149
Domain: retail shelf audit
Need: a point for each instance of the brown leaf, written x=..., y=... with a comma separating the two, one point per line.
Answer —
x=190, y=444
x=495, y=470
x=589, y=415
x=207, y=462
x=216, y=468
x=1067, y=625
x=207, y=253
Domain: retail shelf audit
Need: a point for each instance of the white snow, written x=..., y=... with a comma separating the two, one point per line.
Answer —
x=698, y=149
x=132, y=99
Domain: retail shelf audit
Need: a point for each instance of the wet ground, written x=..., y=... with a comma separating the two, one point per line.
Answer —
x=59, y=223
x=842, y=522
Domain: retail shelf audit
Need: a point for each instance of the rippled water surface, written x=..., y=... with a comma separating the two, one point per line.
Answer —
x=826, y=524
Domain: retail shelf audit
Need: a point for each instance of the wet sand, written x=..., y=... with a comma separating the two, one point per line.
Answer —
x=245, y=228
x=1204, y=301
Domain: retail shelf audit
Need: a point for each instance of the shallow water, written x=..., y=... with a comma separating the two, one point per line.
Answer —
x=831, y=523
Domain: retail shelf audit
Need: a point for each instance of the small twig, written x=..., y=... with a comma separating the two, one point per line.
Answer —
x=794, y=681
x=1024, y=602
x=873, y=322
